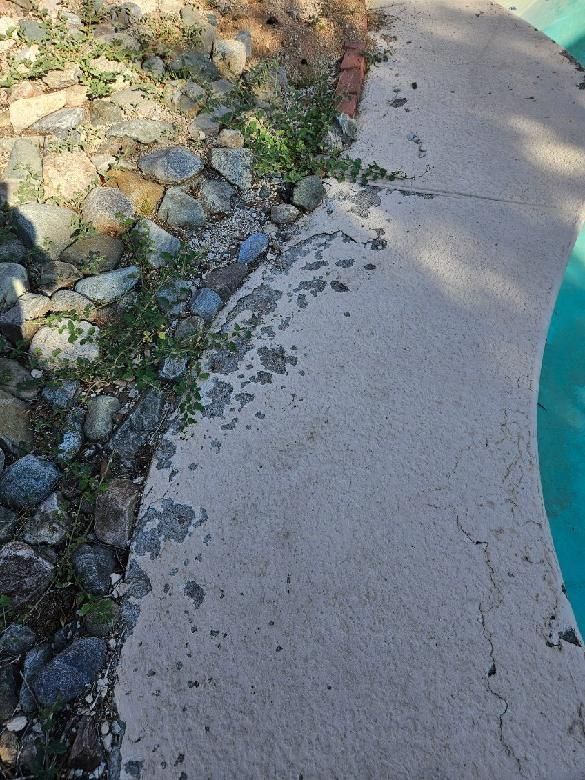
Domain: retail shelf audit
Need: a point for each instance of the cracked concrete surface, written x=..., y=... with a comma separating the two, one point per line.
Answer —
x=345, y=570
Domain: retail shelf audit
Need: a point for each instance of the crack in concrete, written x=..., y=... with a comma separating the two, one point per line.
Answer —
x=484, y=544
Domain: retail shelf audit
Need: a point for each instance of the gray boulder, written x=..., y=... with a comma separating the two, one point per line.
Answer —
x=235, y=165
x=284, y=214
x=13, y=284
x=17, y=639
x=94, y=254
x=49, y=524
x=61, y=394
x=60, y=122
x=108, y=210
x=196, y=66
x=16, y=380
x=206, y=303
x=173, y=296
x=145, y=131
x=217, y=197
x=138, y=427
x=308, y=193
x=93, y=566
x=27, y=482
x=23, y=572
x=158, y=245
x=230, y=57
x=99, y=420
x=181, y=210
x=173, y=165
x=45, y=226
x=53, y=275
x=52, y=347
x=108, y=287
x=15, y=429
x=66, y=676
x=115, y=511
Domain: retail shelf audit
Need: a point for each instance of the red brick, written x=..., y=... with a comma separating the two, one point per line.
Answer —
x=353, y=59
x=348, y=106
x=350, y=82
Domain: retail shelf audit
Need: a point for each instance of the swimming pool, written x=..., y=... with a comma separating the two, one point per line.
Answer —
x=561, y=407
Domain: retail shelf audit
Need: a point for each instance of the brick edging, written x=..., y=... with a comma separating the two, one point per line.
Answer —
x=352, y=76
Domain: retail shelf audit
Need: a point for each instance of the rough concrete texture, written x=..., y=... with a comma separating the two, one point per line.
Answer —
x=346, y=569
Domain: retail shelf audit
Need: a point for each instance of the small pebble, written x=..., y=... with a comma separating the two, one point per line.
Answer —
x=17, y=724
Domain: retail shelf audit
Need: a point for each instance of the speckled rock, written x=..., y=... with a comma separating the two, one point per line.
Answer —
x=145, y=131
x=284, y=214
x=15, y=429
x=27, y=482
x=173, y=368
x=51, y=346
x=235, y=165
x=53, y=275
x=66, y=676
x=17, y=380
x=45, y=226
x=216, y=197
x=173, y=165
x=308, y=193
x=138, y=427
x=159, y=246
x=231, y=139
x=225, y=281
x=23, y=572
x=99, y=420
x=13, y=284
x=61, y=394
x=181, y=210
x=108, y=287
x=17, y=639
x=230, y=57
x=254, y=246
x=49, y=524
x=108, y=210
x=115, y=512
x=206, y=303
x=61, y=122
x=74, y=303
x=94, y=254
x=93, y=566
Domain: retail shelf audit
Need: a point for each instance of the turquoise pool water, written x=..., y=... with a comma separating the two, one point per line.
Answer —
x=561, y=20
x=561, y=408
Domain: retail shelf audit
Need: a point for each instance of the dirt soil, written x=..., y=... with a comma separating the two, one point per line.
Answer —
x=308, y=35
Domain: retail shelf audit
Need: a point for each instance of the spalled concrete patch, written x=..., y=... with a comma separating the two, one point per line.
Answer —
x=381, y=595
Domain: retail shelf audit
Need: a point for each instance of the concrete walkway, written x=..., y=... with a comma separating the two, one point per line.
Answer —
x=346, y=570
